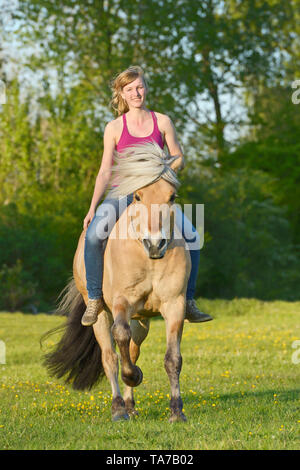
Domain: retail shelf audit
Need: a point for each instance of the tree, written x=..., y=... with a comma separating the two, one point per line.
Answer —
x=273, y=146
x=198, y=56
x=248, y=249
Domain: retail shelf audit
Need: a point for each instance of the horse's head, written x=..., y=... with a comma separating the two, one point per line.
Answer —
x=147, y=172
x=152, y=217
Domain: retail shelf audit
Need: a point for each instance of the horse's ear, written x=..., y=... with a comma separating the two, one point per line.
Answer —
x=177, y=163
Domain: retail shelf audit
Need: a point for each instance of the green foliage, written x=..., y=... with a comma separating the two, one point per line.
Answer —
x=193, y=52
x=248, y=248
x=45, y=253
x=273, y=147
x=222, y=72
x=48, y=165
x=15, y=287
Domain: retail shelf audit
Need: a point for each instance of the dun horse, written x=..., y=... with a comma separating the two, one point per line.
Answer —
x=145, y=275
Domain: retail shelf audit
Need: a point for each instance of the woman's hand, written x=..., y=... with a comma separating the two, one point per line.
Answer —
x=88, y=218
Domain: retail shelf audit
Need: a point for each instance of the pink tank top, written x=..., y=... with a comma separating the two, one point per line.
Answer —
x=126, y=139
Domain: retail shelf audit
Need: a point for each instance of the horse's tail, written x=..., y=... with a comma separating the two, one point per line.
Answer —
x=77, y=356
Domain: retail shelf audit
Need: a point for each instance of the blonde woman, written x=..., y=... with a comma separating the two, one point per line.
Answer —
x=135, y=124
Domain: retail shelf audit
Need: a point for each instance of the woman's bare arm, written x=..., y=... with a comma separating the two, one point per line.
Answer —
x=104, y=173
x=172, y=143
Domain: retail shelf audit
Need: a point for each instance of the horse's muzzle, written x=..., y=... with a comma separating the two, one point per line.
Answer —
x=155, y=249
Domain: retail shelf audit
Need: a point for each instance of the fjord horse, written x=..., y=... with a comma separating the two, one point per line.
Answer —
x=145, y=275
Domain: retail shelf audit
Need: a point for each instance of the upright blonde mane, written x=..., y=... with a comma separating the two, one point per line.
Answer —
x=138, y=166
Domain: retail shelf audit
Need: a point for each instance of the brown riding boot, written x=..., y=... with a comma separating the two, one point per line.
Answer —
x=93, y=308
x=193, y=314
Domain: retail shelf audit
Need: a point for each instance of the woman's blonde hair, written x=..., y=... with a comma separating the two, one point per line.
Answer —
x=117, y=103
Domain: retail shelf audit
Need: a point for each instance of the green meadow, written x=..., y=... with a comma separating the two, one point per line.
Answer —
x=239, y=382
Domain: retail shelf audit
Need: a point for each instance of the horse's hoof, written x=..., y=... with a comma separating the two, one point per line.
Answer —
x=135, y=379
x=129, y=405
x=120, y=416
x=118, y=410
x=177, y=418
x=133, y=413
x=140, y=378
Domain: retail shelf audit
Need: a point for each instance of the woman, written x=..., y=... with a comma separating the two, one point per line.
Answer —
x=133, y=123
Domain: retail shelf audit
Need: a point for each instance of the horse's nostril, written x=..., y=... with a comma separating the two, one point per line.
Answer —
x=146, y=243
x=162, y=243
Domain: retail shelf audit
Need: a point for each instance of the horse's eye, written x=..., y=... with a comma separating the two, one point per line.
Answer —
x=137, y=197
x=173, y=197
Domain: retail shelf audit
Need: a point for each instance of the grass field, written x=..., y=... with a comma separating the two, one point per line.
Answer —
x=239, y=381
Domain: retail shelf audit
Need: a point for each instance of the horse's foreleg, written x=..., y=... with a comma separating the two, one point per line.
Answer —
x=131, y=374
x=110, y=364
x=139, y=331
x=173, y=314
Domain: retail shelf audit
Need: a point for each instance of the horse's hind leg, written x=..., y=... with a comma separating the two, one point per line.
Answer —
x=102, y=330
x=139, y=331
x=131, y=374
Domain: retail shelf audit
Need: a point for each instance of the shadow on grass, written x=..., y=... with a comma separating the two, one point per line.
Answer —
x=283, y=395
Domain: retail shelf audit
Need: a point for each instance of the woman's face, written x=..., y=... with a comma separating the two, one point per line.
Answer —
x=134, y=93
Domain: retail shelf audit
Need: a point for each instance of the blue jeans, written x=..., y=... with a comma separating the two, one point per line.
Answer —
x=98, y=232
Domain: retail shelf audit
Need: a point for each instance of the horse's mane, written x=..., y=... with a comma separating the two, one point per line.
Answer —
x=138, y=166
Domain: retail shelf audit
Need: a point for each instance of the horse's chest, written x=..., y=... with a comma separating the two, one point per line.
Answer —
x=152, y=302
x=148, y=306
x=152, y=292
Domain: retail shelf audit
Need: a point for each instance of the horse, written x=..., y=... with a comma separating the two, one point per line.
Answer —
x=145, y=275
